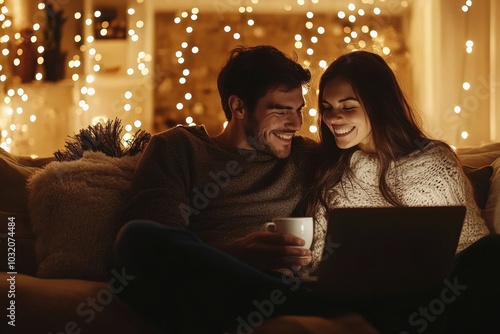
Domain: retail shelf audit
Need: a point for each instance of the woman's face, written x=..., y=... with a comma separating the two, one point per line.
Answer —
x=346, y=116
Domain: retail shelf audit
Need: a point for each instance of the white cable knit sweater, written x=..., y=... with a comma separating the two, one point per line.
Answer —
x=432, y=176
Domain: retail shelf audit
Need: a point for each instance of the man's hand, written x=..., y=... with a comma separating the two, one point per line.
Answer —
x=270, y=251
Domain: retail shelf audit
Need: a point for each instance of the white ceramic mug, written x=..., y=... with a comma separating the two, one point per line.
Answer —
x=301, y=227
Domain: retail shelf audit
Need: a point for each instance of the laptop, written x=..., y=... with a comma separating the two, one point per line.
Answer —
x=384, y=252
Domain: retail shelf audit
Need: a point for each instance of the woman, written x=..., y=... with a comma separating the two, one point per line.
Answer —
x=375, y=155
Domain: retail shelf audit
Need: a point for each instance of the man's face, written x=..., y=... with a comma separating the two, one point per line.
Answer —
x=274, y=122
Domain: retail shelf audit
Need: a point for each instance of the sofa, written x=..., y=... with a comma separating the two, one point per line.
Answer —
x=63, y=217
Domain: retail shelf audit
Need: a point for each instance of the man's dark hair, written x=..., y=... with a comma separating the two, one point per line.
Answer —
x=251, y=72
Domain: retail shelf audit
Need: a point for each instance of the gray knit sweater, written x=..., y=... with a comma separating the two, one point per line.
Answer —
x=187, y=181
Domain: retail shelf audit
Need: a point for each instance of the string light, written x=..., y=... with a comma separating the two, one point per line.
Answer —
x=358, y=35
x=466, y=86
x=14, y=100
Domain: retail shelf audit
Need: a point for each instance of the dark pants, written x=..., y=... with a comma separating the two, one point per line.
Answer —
x=181, y=285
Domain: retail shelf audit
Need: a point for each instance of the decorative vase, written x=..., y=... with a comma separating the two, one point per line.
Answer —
x=25, y=52
x=26, y=70
x=54, y=63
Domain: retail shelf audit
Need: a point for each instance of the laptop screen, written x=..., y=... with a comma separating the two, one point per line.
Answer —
x=388, y=251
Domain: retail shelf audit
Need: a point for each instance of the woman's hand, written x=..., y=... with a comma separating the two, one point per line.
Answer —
x=270, y=251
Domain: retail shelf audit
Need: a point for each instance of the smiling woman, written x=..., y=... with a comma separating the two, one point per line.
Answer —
x=375, y=152
x=376, y=155
x=346, y=116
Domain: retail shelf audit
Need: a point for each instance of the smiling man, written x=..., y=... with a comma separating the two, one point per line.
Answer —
x=199, y=203
x=270, y=127
x=223, y=188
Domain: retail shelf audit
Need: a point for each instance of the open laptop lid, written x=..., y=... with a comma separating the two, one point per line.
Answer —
x=372, y=252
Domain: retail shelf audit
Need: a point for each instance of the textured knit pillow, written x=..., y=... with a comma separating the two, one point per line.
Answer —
x=75, y=210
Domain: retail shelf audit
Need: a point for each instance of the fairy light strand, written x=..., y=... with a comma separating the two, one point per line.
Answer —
x=466, y=86
x=356, y=36
x=14, y=123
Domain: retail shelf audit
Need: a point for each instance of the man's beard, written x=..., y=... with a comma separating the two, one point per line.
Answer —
x=256, y=138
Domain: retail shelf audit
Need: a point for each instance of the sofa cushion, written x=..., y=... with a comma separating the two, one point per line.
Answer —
x=480, y=180
x=491, y=213
x=70, y=306
x=75, y=209
x=479, y=156
x=14, y=173
x=13, y=176
x=34, y=162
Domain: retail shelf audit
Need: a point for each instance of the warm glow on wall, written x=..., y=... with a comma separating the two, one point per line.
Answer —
x=466, y=86
x=83, y=80
x=356, y=36
x=87, y=67
x=188, y=19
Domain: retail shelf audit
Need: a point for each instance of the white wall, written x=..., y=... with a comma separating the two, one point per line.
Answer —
x=439, y=30
x=495, y=71
x=424, y=44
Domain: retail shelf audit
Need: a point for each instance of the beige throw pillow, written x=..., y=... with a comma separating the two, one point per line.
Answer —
x=75, y=210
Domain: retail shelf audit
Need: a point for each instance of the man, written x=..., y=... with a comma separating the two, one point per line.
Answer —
x=223, y=188
x=199, y=259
